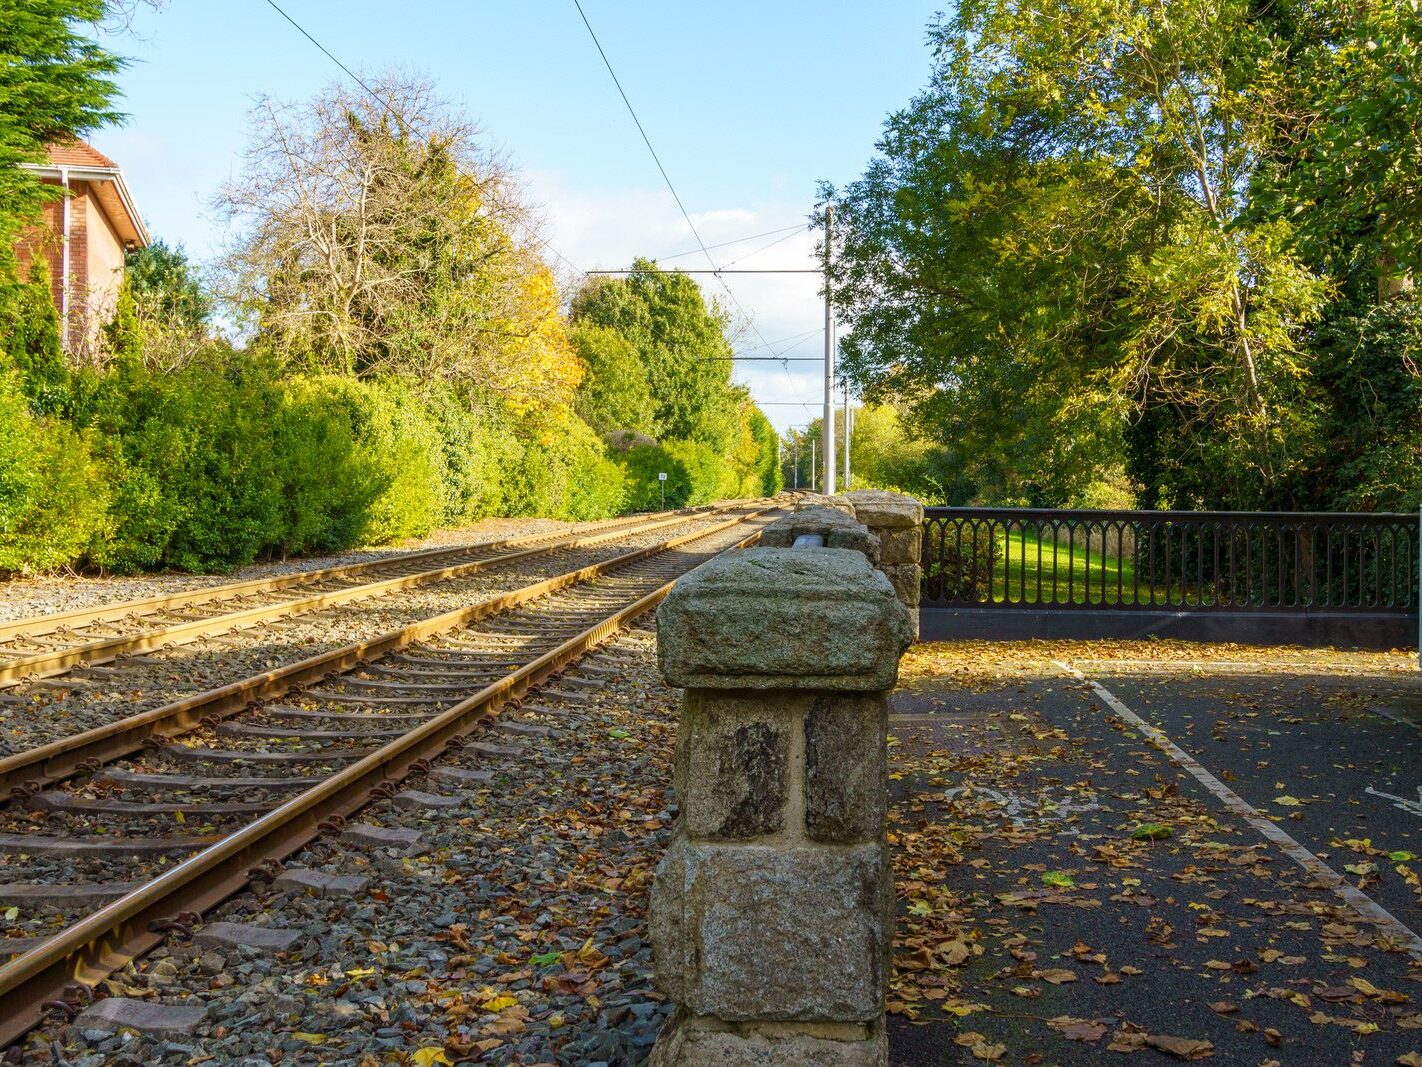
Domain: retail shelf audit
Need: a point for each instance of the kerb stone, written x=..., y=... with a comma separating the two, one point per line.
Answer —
x=718, y=909
x=158, y=1020
x=243, y=935
x=779, y=618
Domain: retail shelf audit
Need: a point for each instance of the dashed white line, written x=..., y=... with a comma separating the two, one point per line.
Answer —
x=1359, y=901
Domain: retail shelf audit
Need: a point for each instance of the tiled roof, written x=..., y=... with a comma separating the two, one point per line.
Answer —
x=79, y=154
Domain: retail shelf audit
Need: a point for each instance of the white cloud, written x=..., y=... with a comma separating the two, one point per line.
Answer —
x=608, y=230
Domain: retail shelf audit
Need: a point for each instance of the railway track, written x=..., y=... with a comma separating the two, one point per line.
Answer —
x=48, y=645
x=126, y=832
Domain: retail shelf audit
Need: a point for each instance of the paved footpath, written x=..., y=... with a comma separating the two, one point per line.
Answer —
x=1169, y=851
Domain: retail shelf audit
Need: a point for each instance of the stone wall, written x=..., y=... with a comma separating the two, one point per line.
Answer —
x=772, y=911
x=897, y=521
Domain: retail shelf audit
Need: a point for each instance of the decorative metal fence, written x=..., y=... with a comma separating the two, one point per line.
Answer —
x=1203, y=561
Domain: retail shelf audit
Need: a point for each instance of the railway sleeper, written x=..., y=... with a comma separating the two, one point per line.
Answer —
x=116, y=776
x=105, y=845
x=238, y=729
x=57, y=801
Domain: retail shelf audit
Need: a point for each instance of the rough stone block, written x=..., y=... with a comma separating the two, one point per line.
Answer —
x=159, y=1020
x=463, y=775
x=418, y=798
x=838, y=502
x=733, y=759
x=380, y=836
x=839, y=530
x=779, y=618
x=748, y=932
x=902, y=544
x=906, y=578
x=320, y=883
x=687, y=1044
x=879, y=507
x=846, y=777
x=244, y=935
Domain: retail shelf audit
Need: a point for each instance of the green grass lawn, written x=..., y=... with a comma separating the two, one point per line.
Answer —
x=1067, y=573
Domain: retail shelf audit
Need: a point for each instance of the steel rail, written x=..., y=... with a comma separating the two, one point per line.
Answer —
x=41, y=625
x=106, y=650
x=26, y=773
x=107, y=939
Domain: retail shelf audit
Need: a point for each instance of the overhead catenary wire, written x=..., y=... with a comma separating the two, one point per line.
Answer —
x=663, y=170
x=737, y=241
x=541, y=242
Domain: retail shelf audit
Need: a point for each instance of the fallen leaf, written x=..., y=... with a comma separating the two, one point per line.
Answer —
x=1152, y=831
x=1183, y=1048
x=1056, y=975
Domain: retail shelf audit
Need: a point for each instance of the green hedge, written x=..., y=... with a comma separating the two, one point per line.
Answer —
x=215, y=466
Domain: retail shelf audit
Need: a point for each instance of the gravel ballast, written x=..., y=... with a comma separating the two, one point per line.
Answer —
x=511, y=929
x=22, y=597
x=46, y=710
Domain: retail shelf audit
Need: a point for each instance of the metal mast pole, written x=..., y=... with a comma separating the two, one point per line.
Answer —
x=813, y=445
x=797, y=460
x=828, y=426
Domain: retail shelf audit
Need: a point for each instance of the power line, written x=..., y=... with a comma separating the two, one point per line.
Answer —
x=327, y=52
x=793, y=337
x=665, y=177
x=718, y=271
x=765, y=248
x=737, y=241
x=543, y=243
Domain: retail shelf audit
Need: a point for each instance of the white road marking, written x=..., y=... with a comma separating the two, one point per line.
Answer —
x=1014, y=805
x=1412, y=807
x=1359, y=901
x=1395, y=717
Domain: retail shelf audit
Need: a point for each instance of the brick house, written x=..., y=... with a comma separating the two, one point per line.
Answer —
x=84, y=237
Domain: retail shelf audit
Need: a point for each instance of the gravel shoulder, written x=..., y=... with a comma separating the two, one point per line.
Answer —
x=23, y=597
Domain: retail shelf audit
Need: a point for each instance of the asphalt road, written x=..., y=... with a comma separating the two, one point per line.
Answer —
x=1122, y=906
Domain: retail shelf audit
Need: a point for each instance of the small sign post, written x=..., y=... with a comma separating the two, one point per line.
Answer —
x=662, y=480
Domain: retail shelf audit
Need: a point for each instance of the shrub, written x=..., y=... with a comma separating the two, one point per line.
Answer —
x=191, y=461
x=703, y=469
x=53, y=497
x=564, y=473
x=328, y=483
x=641, y=465
x=401, y=440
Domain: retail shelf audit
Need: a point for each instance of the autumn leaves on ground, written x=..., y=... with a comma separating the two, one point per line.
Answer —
x=1067, y=894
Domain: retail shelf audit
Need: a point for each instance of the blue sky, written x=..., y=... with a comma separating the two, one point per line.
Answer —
x=748, y=105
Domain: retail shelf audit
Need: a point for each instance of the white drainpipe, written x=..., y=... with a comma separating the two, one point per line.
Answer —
x=64, y=266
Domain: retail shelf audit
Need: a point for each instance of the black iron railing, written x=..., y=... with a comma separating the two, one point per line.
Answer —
x=1170, y=560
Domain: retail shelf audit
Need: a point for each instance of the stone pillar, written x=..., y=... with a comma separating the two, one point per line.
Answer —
x=897, y=520
x=772, y=912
